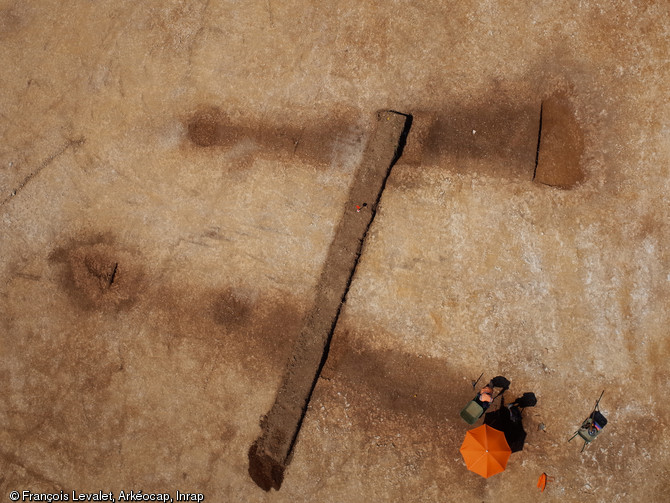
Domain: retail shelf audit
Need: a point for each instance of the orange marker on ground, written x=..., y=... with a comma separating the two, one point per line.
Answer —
x=542, y=481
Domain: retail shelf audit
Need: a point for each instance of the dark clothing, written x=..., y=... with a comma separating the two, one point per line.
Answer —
x=514, y=413
x=501, y=419
x=500, y=382
x=509, y=420
x=528, y=399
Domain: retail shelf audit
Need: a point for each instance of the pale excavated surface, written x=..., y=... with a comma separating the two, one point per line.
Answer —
x=159, y=383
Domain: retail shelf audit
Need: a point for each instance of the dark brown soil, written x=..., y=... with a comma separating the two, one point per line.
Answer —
x=260, y=332
x=397, y=382
x=471, y=137
x=501, y=130
x=207, y=127
x=97, y=274
x=314, y=142
x=229, y=309
x=264, y=470
x=228, y=324
x=561, y=144
x=270, y=454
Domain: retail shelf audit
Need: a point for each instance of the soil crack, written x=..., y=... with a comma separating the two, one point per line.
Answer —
x=46, y=162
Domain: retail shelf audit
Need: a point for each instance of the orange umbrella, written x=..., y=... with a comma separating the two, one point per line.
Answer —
x=485, y=451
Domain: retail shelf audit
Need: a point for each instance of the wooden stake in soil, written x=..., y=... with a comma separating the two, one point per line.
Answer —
x=270, y=453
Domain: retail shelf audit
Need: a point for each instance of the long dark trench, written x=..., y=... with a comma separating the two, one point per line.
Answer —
x=270, y=454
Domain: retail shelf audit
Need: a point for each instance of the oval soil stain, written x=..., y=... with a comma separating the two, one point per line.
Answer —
x=229, y=309
x=97, y=274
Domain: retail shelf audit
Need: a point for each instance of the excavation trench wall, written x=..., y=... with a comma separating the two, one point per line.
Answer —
x=560, y=145
x=270, y=454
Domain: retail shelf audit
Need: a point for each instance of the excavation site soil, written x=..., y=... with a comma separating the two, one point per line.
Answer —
x=262, y=252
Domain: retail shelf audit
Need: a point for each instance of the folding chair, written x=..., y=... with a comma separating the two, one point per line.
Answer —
x=474, y=409
x=471, y=412
x=592, y=425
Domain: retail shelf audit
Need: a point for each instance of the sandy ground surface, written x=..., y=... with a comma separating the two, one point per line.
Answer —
x=171, y=175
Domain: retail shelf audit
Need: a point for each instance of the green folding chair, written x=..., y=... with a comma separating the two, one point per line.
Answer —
x=592, y=425
x=471, y=412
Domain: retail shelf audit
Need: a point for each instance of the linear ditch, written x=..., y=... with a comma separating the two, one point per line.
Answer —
x=271, y=453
